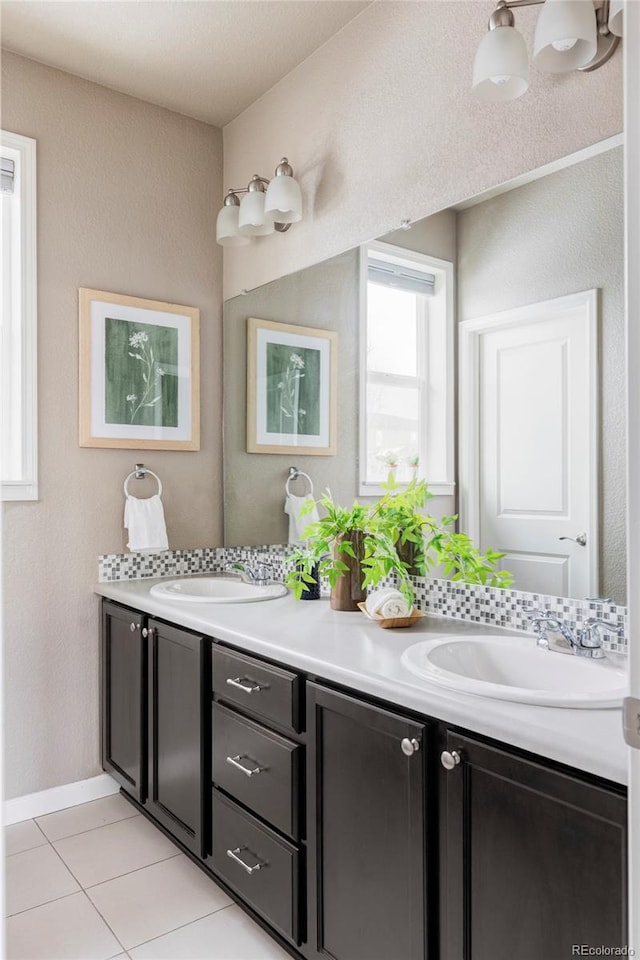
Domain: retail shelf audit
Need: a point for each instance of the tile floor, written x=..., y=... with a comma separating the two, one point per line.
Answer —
x=99, y=881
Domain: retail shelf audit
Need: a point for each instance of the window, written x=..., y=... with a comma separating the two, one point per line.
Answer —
x=406, y=369
x=18, y=426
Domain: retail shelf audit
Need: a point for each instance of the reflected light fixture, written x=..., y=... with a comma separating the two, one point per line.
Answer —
x=266, y=207
x=570, y=35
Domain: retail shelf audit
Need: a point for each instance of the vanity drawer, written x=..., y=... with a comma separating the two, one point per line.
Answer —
x=258, y=767
x=261, y=867
x=258, y=688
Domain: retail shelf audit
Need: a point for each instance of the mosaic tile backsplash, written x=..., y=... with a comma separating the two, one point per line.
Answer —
x=462, y=601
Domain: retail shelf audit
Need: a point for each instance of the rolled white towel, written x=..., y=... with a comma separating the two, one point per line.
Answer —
x=388, y=603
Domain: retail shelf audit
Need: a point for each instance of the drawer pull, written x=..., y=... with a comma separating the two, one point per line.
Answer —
x=248, y=771
x=234, y=854
x=247, y=686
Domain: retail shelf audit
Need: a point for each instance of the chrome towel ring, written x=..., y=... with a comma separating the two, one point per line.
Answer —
x=294, y=474
x=140, y=473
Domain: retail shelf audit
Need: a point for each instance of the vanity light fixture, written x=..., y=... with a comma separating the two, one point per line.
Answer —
x=570, y=35
x=267, y=206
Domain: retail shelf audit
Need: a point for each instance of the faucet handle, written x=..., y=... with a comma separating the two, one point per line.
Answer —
x=592, y=627
x=534, y=614
x=538, y=619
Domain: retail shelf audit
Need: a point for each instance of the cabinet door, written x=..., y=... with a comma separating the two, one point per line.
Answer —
x=123, y=682
x=176, y=739
x=535, y=859
x=367, y=880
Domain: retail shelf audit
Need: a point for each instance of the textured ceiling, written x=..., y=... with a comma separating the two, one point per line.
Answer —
x=208, y=59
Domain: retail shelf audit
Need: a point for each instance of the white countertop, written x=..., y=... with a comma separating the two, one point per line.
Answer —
x=348, y=649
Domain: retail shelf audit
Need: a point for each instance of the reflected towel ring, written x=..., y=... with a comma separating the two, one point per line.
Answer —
x=294, y=474
x=147, y=472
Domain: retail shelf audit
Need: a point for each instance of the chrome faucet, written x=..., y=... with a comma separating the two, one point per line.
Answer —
x=259, y=576
x=585, y=641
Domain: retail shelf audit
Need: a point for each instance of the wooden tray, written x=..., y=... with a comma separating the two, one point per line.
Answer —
x=389, y=622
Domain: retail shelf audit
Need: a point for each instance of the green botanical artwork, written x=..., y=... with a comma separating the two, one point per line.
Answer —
x=141, y=367
x=293, y=390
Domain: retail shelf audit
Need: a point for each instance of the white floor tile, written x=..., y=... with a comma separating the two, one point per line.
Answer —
x=68, y=929
x=86, y=816
x=35, y=877
x=227, y=935
x=114, y=850
x=22, y=836
x=153, y=901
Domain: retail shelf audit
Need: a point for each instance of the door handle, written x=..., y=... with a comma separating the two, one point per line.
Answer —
x=450, y=759
x=409, y=746
x=581, y=539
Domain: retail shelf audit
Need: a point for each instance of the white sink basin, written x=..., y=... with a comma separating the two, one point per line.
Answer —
x=514, y=668
x=216, y=590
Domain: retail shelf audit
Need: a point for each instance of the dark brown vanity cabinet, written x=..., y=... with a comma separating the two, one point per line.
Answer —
x=124, y=697
x=367, y=810
x=153, y=716
x=257, y=773
x=533, y=858
x=352, y=831
x=176, y=735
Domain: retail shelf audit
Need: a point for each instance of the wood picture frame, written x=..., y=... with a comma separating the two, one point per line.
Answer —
x=291, y=389
x=139, y=377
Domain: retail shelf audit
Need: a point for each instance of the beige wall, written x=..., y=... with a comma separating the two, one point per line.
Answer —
x=559, y=235
x=380, y=125
x=126, y=199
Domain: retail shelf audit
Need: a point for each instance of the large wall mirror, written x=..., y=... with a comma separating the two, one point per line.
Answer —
x=536, y=424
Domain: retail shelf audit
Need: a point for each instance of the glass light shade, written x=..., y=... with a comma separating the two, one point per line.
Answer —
x=501, y=67
x=566, y=35
x=252, y=221
x=616, y=17
x=283, y=202
x=227, y=233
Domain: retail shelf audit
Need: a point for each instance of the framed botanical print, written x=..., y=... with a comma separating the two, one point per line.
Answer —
x=291, y=389
x=139, y=373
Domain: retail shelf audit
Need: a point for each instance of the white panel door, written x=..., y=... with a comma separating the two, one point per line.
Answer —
x=532, y=419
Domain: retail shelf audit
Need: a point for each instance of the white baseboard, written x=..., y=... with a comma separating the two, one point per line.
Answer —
x=57, y=798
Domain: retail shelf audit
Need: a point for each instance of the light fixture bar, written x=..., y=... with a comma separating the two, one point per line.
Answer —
x=267, y=205
x=570, y=35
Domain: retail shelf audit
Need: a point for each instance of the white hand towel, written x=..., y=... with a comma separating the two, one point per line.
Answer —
x=144, y=519
x=298, y=524
x=387, y=603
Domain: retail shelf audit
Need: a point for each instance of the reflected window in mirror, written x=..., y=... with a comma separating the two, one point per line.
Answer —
x=406, y=369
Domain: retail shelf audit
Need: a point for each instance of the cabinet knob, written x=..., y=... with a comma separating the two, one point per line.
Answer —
x=409, y=747
x=145, y=632
x=133, y=627
x=450, y=760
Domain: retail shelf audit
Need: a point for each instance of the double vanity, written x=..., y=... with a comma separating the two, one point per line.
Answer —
x=365, y=793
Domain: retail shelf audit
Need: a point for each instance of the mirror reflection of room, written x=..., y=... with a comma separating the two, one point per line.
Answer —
x=486, y=283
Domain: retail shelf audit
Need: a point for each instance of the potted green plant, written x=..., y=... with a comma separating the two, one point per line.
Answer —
x=360, y=546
